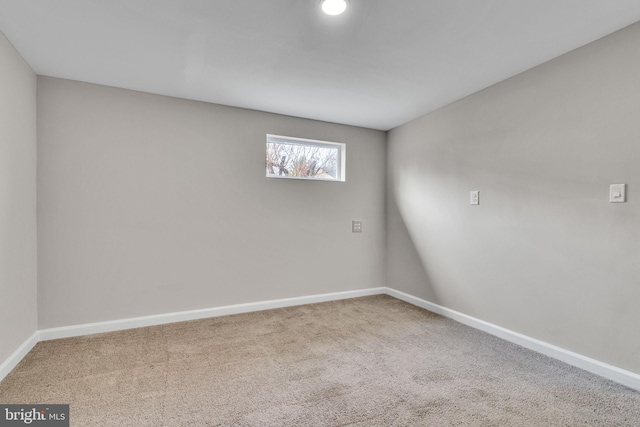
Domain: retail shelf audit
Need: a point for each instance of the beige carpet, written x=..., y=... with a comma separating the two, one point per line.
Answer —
x=373, y=361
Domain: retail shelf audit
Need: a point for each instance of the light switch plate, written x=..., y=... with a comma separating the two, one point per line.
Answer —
x=618, y=193
x=474, y=198
x=356, y=226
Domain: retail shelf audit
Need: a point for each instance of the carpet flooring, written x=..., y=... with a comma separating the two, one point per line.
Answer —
x=372, y=361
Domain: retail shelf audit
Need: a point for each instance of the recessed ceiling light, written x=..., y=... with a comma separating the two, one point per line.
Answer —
x=334, y=7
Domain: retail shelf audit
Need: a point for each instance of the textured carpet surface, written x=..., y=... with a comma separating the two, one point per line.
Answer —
x=373, y=361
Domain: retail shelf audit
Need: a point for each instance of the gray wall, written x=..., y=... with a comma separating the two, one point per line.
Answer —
x=149, y=204
x=544, y=254
x=18, y=251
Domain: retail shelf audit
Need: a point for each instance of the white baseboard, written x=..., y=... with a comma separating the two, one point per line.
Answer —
x=621, y=376
x=15, y=358
x=613, y=373
x=161, y=319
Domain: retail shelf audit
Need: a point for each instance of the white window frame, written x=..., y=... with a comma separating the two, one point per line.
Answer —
x=341, y=161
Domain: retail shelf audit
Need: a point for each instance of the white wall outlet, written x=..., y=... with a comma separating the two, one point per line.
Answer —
x=618, y=193
x=356, y=226
x=474, y=198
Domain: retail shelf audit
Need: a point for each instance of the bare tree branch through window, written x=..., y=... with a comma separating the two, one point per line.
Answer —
x=296, y=158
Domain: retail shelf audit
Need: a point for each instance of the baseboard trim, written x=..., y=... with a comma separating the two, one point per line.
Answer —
x=621, y=376
x=15, y=358
x=161, y=319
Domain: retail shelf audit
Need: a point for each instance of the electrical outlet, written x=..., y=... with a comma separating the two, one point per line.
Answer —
x=356, y=226
x=474, y=198
x=618, y=193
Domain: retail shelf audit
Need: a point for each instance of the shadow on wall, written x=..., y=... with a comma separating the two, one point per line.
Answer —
x=406, y=271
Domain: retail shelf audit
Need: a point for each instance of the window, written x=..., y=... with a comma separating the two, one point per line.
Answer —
x=299, y=158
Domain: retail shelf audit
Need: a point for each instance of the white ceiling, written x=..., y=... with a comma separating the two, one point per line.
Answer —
x=381, y=64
